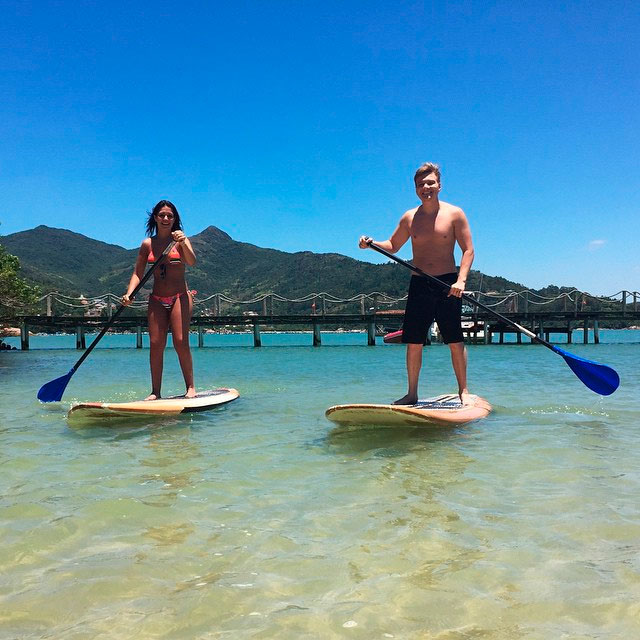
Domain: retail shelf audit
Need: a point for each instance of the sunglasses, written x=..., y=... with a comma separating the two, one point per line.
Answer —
x=168, y=216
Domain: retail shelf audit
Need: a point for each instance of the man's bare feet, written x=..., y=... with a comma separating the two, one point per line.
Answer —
x=153, y=396
x=191, y=393
x=407, y=400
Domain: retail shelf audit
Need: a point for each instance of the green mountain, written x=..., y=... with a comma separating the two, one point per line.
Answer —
x=60, y=260
x=73, y=264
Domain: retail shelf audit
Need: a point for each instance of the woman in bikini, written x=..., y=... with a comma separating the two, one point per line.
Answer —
x=170, y=302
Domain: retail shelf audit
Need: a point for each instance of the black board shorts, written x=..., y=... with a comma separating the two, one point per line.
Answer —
x=427, y=302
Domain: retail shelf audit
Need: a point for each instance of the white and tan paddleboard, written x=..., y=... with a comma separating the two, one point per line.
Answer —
x=203, y=401
x=445, y=410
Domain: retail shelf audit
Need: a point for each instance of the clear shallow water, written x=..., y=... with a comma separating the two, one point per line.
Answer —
x=260, y=520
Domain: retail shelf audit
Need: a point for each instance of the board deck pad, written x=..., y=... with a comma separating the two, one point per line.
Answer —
x=175, y=405
x=442, y=410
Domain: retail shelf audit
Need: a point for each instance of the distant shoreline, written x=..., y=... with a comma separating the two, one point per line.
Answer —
x=16, y=332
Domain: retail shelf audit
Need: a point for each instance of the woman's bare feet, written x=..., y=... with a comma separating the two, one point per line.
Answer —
x=191, y=393
x=407, y=400
x=153, y=396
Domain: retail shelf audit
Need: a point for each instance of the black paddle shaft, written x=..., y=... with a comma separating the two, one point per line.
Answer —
x=115, y=316
x=473, y=301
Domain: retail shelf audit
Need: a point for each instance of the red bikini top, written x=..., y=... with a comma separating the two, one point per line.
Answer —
x=174, y=256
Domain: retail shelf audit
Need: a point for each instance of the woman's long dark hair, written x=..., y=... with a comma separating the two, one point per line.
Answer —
x=152, y=226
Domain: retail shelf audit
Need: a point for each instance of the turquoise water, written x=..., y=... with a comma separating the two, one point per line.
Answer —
x=260, y=520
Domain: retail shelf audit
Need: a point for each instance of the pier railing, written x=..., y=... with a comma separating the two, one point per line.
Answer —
x=617, y=305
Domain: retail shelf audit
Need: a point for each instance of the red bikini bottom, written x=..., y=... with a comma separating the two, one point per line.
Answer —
x=168, y=301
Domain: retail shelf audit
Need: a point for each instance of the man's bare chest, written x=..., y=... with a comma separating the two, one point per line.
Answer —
x=435, y=229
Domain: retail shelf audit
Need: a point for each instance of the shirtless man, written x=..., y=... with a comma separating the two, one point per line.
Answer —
x=434, y=228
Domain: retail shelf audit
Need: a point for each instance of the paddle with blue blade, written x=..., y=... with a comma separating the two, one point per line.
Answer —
x=52, y=391
x=598, y=377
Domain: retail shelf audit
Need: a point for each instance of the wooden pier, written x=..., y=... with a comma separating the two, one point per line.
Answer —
x=546, y=324
x=481, y=327
x=231, y=324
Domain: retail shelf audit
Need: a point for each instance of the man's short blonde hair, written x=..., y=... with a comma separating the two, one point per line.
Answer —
x=425, y=170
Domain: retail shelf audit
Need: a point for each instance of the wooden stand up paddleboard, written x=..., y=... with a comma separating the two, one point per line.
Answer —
x=445, y=410
x=203, y=401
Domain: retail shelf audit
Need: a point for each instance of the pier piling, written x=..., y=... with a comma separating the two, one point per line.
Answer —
x=24, y=336
x=257, y=340
x=371, y=334
x=80, y=340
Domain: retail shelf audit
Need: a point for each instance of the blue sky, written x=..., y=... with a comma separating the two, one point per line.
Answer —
x=299, y=125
